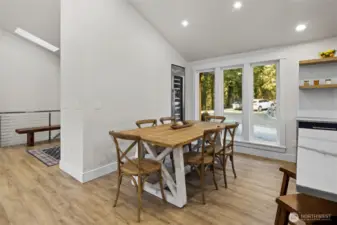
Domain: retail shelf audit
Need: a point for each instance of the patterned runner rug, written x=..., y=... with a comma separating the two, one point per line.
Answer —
x=49, y=156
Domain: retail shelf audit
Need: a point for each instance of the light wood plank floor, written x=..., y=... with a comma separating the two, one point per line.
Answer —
x=33, y=194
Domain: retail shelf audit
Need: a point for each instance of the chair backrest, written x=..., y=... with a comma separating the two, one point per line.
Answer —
x=230, y=129
x=209, y=139
x=219, y=119
x=166, y=119
x=147, y=123
x=122, y=154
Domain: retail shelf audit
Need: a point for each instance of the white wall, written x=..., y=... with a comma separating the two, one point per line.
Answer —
x=289, y=72
x=29, y=76
x=115, y=69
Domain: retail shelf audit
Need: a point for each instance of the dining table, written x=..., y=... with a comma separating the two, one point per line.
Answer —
x=171, y=140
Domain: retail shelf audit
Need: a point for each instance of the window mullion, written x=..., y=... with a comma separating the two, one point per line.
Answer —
x=247, y=97
x=280, y=111
x=218, y=92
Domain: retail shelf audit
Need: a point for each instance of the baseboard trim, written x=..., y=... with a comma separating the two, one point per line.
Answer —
x=317, y=193
x=261, y=146
x=266, y=154
x=98, y=172
x=88, y=175
x=69, y=169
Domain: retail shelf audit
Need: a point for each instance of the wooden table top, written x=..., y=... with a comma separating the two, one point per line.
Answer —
x=164, y=135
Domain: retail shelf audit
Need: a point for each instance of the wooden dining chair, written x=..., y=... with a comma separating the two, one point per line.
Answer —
x=168, y=120
x=139, y=169
x=149, y=123
x=172, y=120
x=146, y=123
x=164, y=120
x=226, y=150
x=218, y=119
x=201, y=160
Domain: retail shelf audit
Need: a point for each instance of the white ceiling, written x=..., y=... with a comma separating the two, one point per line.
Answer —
x=39, y=17
x=215, y=29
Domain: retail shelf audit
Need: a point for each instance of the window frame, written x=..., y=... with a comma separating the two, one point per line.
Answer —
x=197, y=114
x=247, y=98
x=278, y=93
x=222, y=94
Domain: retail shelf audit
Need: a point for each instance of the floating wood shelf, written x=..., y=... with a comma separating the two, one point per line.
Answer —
x=321, y=86
x=318, y=61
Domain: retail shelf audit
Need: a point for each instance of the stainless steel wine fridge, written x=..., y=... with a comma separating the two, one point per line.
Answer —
x=178, y=92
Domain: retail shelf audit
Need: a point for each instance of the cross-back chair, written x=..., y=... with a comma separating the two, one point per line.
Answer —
x=219, y=119
x=227, y=149
x=146, y=123
x=164, y=120
x=216, y=119
x=172, y=120
x=139, y=168
x=202, y=160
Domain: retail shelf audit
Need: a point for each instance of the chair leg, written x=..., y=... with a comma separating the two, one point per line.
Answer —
x=172, y=162
x=213, y=171
x=139, y=197
x=278, y=215
x=120, y=176
x=224, y=169
x=283, y=218
x=162, y=186
x=232, y=160
x=198, y=171
x=202, y=172
x=190, y=147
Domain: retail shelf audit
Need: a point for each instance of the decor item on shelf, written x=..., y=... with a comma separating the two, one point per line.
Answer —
x=328, y=54
x=316, y=82
x=327, y=81
x=306, y=83
x=180, y=125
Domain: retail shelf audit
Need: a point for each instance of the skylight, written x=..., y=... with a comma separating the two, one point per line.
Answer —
x=36, y=40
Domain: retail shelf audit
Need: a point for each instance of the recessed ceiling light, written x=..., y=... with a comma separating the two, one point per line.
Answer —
x=237, y=5
x=301, y=27
x=184, y=23
x=36, y=40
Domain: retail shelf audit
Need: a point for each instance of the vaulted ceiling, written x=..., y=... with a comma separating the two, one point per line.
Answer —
x=39, y=17
x=214, y=30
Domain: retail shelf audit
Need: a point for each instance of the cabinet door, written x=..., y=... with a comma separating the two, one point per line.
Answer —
x=317, y=157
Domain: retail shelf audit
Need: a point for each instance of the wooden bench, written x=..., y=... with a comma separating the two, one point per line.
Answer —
x=32, y=130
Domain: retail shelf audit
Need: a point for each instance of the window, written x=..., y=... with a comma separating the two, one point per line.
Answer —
x=232, y=93
x=264, y=121
x=246, y=93
x=206, y=90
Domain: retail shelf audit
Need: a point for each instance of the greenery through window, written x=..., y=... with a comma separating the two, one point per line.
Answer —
x=264, y=118
x=232, y=93
x=232, y=87
x=265, y=82
x=207, y=90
